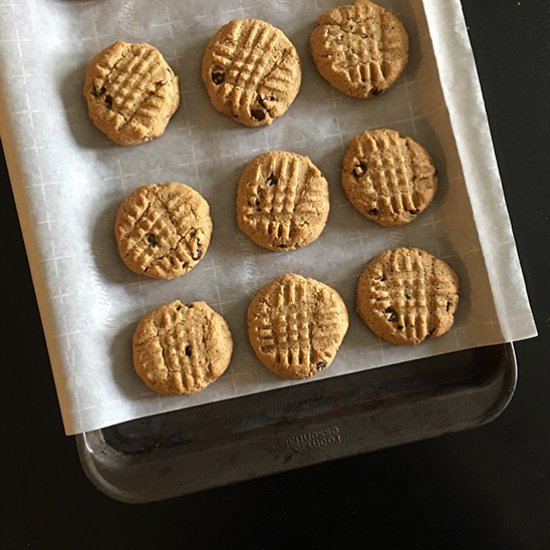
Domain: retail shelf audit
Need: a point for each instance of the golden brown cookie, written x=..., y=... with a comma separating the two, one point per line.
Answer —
x=406, y=295
x=131, y=92
x=251, y=71
x=361, y=48
x=389, y=178
x=296, y=326
x=163, y=230
x=282, y=201
x=180, y=349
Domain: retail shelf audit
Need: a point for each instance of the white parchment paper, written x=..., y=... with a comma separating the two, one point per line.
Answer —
x=68, y=180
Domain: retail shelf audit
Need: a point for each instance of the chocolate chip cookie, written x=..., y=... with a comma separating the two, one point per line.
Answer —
x=360, y=48
x=296, y=326
x=163, y=230
x=179, y=349
x=282, y=201
x=131, y=92
x=251, y=71
x=406, y=296
x=389, y=178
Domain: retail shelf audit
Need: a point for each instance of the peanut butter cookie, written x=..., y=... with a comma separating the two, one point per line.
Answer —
x=180, y=349
x=131, y=92
x=389, y=178
x=296, y=326
x=406, y=295
x=361, y=48
x=251, y=71
x=282, y=201
x=163, y=230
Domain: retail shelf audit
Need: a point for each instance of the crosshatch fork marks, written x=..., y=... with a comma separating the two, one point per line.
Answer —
x=131, y=92
x=163, y=230
x=282, y=201
x=179, y=349
x=296, y=326
x=406, y=295
x=388, y=177
x=360, y=49
x=251, y=71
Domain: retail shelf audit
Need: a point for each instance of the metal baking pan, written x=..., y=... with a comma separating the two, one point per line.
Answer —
x=208, y=446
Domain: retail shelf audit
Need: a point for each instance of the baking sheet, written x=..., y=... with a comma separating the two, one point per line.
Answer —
x=68, y=181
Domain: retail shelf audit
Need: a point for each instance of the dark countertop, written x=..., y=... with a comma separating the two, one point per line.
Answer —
x=486, y=488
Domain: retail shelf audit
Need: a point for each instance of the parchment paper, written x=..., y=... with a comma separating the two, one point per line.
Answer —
x=68, y=180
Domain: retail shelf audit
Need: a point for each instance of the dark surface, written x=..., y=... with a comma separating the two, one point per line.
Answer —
x=487, y=488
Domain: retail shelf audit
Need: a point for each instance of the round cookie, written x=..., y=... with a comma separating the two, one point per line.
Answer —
x=389, y=178
x=163, y=230
x=180, y=349
x=296, y=325
x=282, y=201
x=406, y=295
x=131, y=92
x=361, y=48
x=251, y=71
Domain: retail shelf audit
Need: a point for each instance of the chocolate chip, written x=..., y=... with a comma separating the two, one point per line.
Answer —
x=198, y=253
x=376, y=91
x=272, y=180
x=218, y=75
x=392, y=314
x=414, y=212
x=97, y=93
x=374, y=211
x=152, y=240
x=282, y=246
x=449, y=304
x=400, y=327
x=360, y=169
x=321, y=365
x=109, y=101
x=188, y=351
x=258, y=114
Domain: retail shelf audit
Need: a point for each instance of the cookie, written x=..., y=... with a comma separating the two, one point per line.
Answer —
x=163, y=230
x=180, y=349
x=361, y=49
x=296, y=325
x=282, y=201
x=406, y=295
x=131, y=92
x=251, y=71
x=388, y=177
